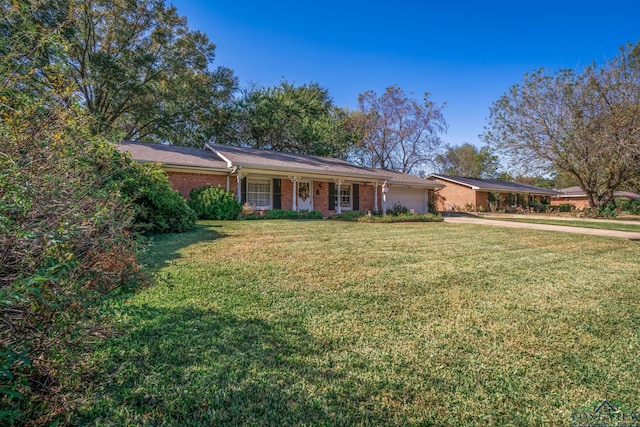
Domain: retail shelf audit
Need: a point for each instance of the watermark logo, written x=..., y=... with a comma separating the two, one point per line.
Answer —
x=605, y=413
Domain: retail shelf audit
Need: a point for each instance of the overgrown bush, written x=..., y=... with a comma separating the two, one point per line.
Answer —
x=67, y=244
x=67, y=247
x=210, y=202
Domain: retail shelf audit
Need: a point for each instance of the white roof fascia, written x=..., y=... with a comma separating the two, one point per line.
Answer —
x=219, y=154
x=306, y=172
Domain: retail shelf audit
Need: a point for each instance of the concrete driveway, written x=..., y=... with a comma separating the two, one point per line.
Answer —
x=561, y=228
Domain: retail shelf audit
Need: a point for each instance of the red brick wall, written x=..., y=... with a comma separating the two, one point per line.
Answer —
x=321, y=197
x=367, y=197
x=578, y=202
x=185, y=182
x=454, y=196
x=287, y=194
x=482, y=200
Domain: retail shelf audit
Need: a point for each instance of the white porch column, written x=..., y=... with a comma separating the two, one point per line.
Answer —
x=385, y=190
x=339, y=189
x=294, y=198
x=375, y=196
x=239, y=180
x=228, y=183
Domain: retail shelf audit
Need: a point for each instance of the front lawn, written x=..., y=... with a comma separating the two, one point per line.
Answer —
x=334, y=323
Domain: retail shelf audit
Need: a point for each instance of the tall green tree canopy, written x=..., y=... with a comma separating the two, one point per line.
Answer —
x=467, y=160
x=141, y=71
x=584, y=124
x=399, y=132
x=294, y=119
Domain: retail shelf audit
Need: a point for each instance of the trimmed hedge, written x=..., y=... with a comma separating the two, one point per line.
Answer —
x=284, y=214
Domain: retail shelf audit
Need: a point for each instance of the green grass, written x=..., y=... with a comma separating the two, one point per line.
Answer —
x=601, y=225
x=334, y=323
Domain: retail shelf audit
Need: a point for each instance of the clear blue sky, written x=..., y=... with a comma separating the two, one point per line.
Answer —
x=465, y=53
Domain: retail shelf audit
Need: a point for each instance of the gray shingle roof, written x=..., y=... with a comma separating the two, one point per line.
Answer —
x=577, y=192
x=224, y=157
x=274, y=160
x=172, y=155
x=495, y=185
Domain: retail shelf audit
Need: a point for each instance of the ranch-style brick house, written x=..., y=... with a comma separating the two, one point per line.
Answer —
x=264, y=179
x=576, y=197
x=462, y=193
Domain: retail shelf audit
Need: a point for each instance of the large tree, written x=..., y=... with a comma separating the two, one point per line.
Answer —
x=468, y=160
x=141, y=71
x=584, y=124
x=399, y=133
x=292, y=119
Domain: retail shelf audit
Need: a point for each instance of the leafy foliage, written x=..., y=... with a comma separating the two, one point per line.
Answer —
x=159, y=208
x=284, y=214
x=293, y=119
x=400, y=214
x=210, y=202
x=630, y=206
x=585, y=125
x=68, y=206
x=397, y=209
x=467, y=160
x=141, y=71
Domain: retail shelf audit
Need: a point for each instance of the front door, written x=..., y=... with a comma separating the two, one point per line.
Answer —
x=305, y=196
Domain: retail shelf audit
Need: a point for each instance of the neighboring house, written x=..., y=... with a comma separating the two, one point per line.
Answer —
x=462, y=193
x=266, y=180
x=576, y=197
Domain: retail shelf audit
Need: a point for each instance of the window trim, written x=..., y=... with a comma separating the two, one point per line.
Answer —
x=268, y=181
x=349, y=188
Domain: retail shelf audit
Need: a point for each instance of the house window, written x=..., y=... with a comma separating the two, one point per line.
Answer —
x=514, y=200
x=345, y=197
x=259, y=193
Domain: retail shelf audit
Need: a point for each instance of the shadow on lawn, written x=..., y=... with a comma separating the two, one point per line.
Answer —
x=204, y=367
x=165, y=247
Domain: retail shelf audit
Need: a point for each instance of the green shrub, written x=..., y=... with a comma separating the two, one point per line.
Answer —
x=377, y=217
x=397, y=209
x=146, y=188
x=630, y=206
x=348, y=216
x=566, y=207
x=214, y=203
x=65, y=230
x=159, y=208
x=284, y=214
x=608, y=211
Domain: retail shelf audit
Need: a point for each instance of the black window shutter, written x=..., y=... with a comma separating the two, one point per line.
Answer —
x=332, y=196
x=243, y=190
x=277, y=193
x=355, y=194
